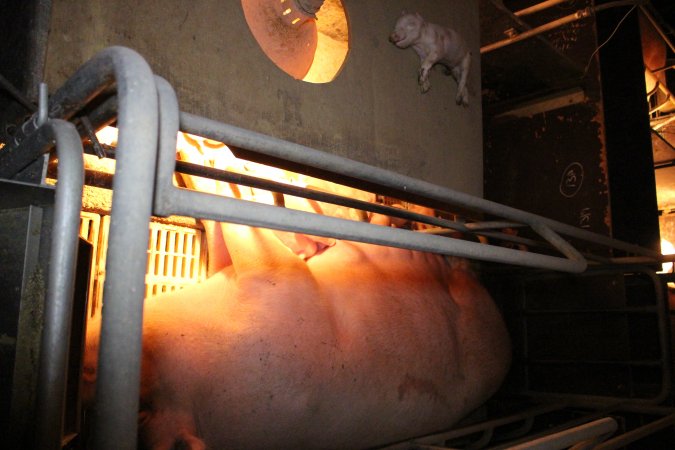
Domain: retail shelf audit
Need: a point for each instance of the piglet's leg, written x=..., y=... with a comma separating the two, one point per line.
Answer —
x=254, y=250
x=192, y=150
x=427, y=64
x=303, y=245
x=461, y=74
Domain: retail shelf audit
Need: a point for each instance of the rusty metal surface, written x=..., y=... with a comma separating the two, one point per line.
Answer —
x=534, y=67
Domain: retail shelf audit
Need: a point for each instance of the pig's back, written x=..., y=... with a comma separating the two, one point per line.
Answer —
x=387, y=344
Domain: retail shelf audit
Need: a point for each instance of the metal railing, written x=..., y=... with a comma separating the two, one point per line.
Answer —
x=143, y=185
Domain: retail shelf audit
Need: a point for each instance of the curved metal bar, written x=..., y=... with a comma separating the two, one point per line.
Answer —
x=560, y=244
x=60, y=286
x=566, y=438
x=277, y=148
x=172, y=200
x=118, y=374
x=166, y=158
x=117, y=394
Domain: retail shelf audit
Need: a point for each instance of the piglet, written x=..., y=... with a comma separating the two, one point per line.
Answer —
x=434, y=44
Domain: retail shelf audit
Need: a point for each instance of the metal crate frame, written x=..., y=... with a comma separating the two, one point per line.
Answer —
x=142, y=186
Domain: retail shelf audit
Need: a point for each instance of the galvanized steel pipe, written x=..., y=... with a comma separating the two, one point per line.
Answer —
x=575, y=16
x=58, y=307
x=571, y=436
x=118, y=375
x=172, y=200
x=538, y=7
x=277, y=148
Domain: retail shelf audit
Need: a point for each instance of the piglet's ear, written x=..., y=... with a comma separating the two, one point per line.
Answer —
x=404, y=12
x=419, y=16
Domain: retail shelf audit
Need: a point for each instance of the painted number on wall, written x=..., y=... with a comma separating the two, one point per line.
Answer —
x=572, y=179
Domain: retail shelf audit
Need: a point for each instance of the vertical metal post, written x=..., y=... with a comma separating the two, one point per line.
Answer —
x=62, y=257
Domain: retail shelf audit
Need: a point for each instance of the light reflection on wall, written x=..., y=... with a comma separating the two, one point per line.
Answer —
x=306, y=48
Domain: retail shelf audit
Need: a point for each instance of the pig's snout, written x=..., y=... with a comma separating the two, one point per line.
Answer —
x=393, y=38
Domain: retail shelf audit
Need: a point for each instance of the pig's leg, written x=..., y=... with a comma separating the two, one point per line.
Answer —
x=461, y=74
x=256, y=251
x=259, y=251
x=428, y=62
x=303, y=245
x=218, y=256
x=168, y=430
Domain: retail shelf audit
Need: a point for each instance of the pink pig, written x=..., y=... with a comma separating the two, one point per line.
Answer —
x=357, y=346
x=434, y=44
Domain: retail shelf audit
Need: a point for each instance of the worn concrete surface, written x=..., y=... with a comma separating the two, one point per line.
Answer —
x=372, y=112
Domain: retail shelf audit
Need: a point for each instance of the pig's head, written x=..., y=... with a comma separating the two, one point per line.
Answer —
x=407, y=30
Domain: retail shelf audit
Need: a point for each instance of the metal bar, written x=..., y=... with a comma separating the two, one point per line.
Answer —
x=118, y=375
x=638, y=433
x=50, y=396
x=277, y=148
x=43, y=95
x=666, y=120
x=482, y=426
x=630, y=310
x=171, y=200
x=222, y=209
x=569, y=437
x=657, y=27
x=117, y=394
x=664, y=335
x=574, y=17
x=247, y=180
x=450, y=225
x=16, y=94
x=636, y=363
x=558, y=243
x=538, y=7
x=661, y=310
x=662, y=139
x=491, y=225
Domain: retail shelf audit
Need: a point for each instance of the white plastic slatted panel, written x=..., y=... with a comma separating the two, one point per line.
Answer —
x=176, y=257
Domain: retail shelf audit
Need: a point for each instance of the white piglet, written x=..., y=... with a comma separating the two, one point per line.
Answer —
x=434, y=44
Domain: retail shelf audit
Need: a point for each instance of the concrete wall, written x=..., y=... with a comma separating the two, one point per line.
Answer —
x=372, y=112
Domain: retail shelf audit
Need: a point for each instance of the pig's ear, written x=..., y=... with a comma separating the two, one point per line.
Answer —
x=419, y=16
x=404, y=12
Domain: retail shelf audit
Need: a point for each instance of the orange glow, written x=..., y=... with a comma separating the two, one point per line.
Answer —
x=107, y=136
x=332, y=45
x=217, y=154
x=667, y=249
x=308, y=49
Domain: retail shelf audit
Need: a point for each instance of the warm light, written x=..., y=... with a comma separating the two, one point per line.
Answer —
x=667, y=248
x=107, y=136
x=217, y=154
x=332, y=45
x=308, y=47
